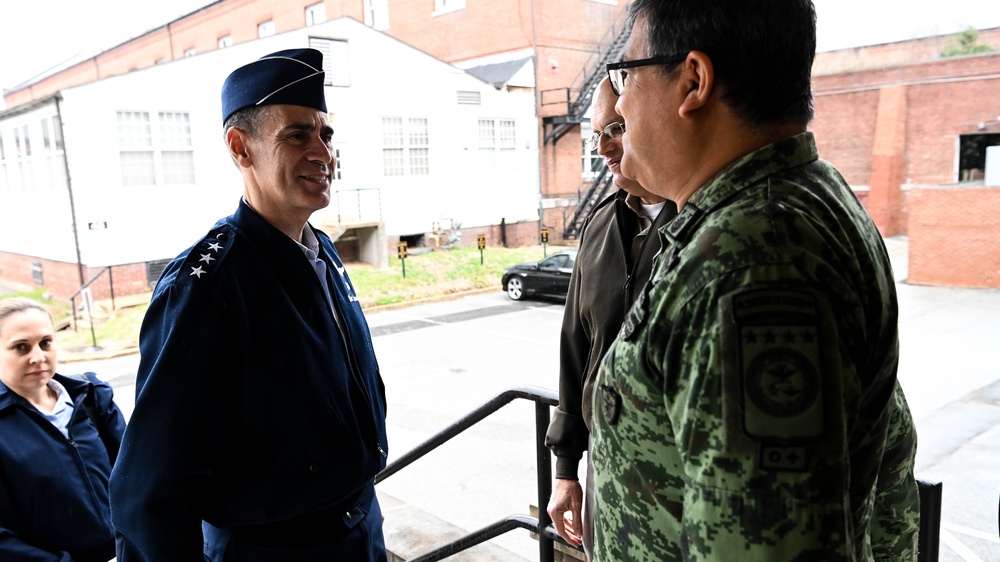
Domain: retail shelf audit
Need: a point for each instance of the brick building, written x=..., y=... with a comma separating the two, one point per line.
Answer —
x=908, y=129
x=889, y=116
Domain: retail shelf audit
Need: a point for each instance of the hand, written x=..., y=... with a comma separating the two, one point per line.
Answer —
x=565, y=506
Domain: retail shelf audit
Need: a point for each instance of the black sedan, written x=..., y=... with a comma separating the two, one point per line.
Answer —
x=548, y=277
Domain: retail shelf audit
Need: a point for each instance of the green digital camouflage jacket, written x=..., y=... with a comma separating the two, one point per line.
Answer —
x=749, y=409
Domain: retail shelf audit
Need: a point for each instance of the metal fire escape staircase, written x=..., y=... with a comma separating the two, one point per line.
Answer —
x=577, y=98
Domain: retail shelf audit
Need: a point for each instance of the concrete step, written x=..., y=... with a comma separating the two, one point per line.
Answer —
x=411, y=532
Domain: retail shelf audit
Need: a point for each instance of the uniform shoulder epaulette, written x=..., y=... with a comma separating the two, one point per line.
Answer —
x=202, y=260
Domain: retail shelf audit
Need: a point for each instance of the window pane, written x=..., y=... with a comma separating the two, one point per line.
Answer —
x=392, y=131
x=27, y=141
x=57, y=132
x=265, y=29
x=392, y=161
x=486, y=132
x=134, y=130
x=418, y=132
x=137, y=168
x=175, y=130
x=419, y=161
x=315, y=14
x=46, y=141
x=506, y=160
x=178, y=167
x=225, y=41
x=507, y=133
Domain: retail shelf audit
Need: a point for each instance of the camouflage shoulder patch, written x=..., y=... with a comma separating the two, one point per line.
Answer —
x=773, y=375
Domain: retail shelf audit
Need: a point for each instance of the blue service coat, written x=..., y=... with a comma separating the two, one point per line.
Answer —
x=54, y=490
x=252, y=406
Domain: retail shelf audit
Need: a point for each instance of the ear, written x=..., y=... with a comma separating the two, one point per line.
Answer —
x=699, y=82
x=239, y=146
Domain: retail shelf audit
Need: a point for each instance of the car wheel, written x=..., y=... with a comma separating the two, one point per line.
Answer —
x=515, y=288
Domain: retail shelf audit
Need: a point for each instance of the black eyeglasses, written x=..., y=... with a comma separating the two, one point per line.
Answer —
x=617, y=73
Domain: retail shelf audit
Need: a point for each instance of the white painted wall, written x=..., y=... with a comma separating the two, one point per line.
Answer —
x=992, y=165
x=36, y=221
x=387, y=78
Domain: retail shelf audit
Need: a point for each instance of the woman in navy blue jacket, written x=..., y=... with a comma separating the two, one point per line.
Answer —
x=54, y=463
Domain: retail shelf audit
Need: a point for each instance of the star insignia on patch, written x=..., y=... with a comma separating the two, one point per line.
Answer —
x=207, y=258
x=198, y=271
x=214, y=246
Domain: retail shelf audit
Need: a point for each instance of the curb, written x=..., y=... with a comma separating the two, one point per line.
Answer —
x=75, y=357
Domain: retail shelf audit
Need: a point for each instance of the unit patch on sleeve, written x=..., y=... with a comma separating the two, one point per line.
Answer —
x=773, y=389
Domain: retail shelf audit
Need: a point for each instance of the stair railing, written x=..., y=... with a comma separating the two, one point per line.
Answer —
x=542, y=525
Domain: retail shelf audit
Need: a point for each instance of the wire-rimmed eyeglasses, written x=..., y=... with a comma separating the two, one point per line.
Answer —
x=613, y=131
x=617, y=73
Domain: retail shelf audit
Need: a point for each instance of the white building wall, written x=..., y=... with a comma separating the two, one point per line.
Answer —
x=35, y=217
x=387, y=79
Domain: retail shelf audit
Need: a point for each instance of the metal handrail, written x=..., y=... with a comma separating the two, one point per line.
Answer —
x=543, y=399
x=72, y=302
x=585, y=204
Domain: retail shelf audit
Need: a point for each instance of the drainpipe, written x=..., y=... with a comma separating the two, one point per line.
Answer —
x=69, y=188
x=540, y=131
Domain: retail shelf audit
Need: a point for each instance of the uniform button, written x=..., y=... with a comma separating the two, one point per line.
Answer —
x=348, y=515
x=314, y=468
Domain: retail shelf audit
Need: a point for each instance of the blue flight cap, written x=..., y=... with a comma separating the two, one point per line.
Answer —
x=290, y=77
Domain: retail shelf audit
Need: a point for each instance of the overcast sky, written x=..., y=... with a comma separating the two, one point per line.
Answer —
x=38, y=34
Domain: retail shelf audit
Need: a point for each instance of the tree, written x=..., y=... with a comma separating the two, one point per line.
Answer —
x=965, y=43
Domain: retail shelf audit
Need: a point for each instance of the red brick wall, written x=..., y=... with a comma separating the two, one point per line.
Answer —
x=953, y=236
x=891, y=54
x=890, y=127
x=520, y=233
x=62, y=279
x=201, y=31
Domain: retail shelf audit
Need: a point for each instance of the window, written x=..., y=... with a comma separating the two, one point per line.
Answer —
x=265, y=28
x=190, y=52
x=29, y=156
x=405, y=146
x=336, y=60
x=165, y=158
x=36, y=273
x=419, y=148
x=177, y=154
x=315, y=13
x=593, y=162
x=47, y=165
x=497, y=144
x=225, y=41
x=377, y=14
x=336, y=164
x=22, y=142
x=445, y=6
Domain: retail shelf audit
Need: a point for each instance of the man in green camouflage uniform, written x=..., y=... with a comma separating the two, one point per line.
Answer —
x=749, y=409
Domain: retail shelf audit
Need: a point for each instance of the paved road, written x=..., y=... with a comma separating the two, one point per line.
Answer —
x=442, y=360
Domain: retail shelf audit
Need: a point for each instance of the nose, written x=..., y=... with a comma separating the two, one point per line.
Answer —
x=320, y=151
x=607, y=146
x=37, y=355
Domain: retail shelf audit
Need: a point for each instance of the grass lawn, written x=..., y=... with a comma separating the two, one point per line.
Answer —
x=428, y=275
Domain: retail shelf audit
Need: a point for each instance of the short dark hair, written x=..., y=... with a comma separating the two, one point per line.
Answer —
x=762, y=50
x=249, y=119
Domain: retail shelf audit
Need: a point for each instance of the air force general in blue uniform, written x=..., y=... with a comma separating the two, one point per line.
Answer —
x=259, y=422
